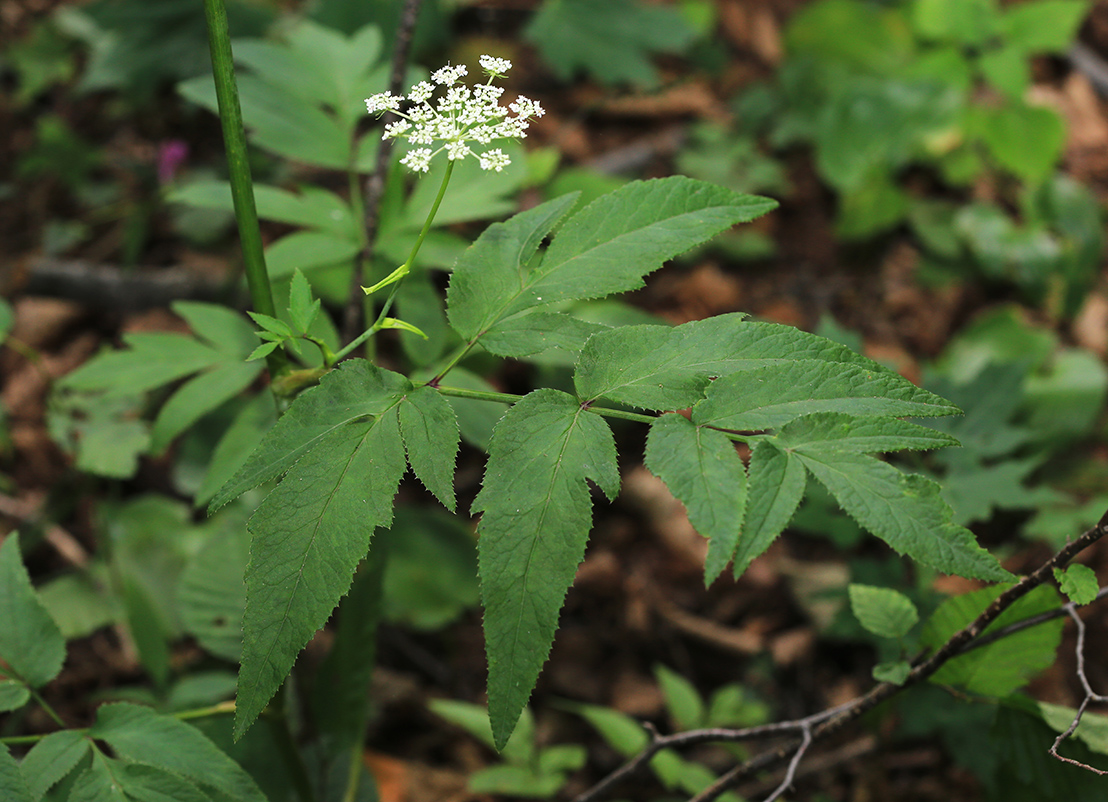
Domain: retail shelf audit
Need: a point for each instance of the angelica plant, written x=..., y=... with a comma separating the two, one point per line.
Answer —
x=802, y=404
x=801, y=407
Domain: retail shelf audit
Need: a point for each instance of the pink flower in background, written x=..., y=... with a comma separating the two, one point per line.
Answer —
x=171, y=155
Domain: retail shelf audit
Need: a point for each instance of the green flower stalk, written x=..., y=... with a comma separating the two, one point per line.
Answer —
x=462, y=115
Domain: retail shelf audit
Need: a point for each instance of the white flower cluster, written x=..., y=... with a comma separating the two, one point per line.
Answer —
x=462, y=115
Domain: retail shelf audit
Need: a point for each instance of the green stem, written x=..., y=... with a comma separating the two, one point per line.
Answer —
x=607, y=412
x=290, y=755
x=221, y=709
x=46, y=706
x=238, y=166
x=376, y=327
x=511, y=398
x=454, y=359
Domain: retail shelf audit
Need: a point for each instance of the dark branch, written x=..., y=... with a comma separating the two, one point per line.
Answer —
x=820, y=725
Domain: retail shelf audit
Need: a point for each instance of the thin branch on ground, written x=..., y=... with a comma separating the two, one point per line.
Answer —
x=64, y=543
x=352, y=321
x=1090, y=695
x=825, y=723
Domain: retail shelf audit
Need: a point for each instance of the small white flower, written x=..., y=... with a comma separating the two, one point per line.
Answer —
x=494, y=159
x=418, y=160
x=380, y=103
x=457, y=150
x=526, y=108
x=495, y=66
x=449, y=75
x=461, y=115
x=396, y=129
x=420, y=92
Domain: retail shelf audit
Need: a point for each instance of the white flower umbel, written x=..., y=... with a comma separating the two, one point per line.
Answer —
x=461, y=115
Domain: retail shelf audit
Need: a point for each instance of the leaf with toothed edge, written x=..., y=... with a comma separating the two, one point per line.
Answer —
x=905, y=510
x=430, y=431
x=605, y=248
x=537, y=512
x=665, y=368
x=776, y=486
x=353, y=391
x=702, y=469
x=308, y=537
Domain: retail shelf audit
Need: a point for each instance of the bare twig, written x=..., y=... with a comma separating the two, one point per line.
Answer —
x=1090, y=695
x=375, y=185
x=1026, y=623
x=111, y=287
x=820, y=725
x=65, y=544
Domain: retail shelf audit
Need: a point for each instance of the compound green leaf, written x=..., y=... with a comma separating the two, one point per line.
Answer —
x=141, y=735
x=773, y=395
x=280, y=122
x=1043, y=26
x=98, y=783
x=52, y=758
x=1026, y=140
x=537, y=514
x=312, y=207
x=143, y=783
x=835, y=430
x=612, y=40
x=662, y=367
x=355, y=390
x=223, y=328
x=617, y=239
x=1002, y=667
x=199, y=396
x=13, y=786
x=308, y=537
x=1092, y=731
x=211, y=594
x=776, y=486
x=905, y=510
x=885, y=612
x=702, y=469
x=152, y=359
x=256, y=417
x=13, y=695
x=305, y=250
x=605, y=248
x=1078, y=582
x=682, y=699
x=30, y=642
x=430, y=430
x=493, y=270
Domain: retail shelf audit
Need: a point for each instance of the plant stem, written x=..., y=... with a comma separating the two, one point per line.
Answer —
x=510, y=398
x=238, y=166
x=46, y=706
x=290, y=755
x=376, y=327
x=369, y=211
x=221, y=709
